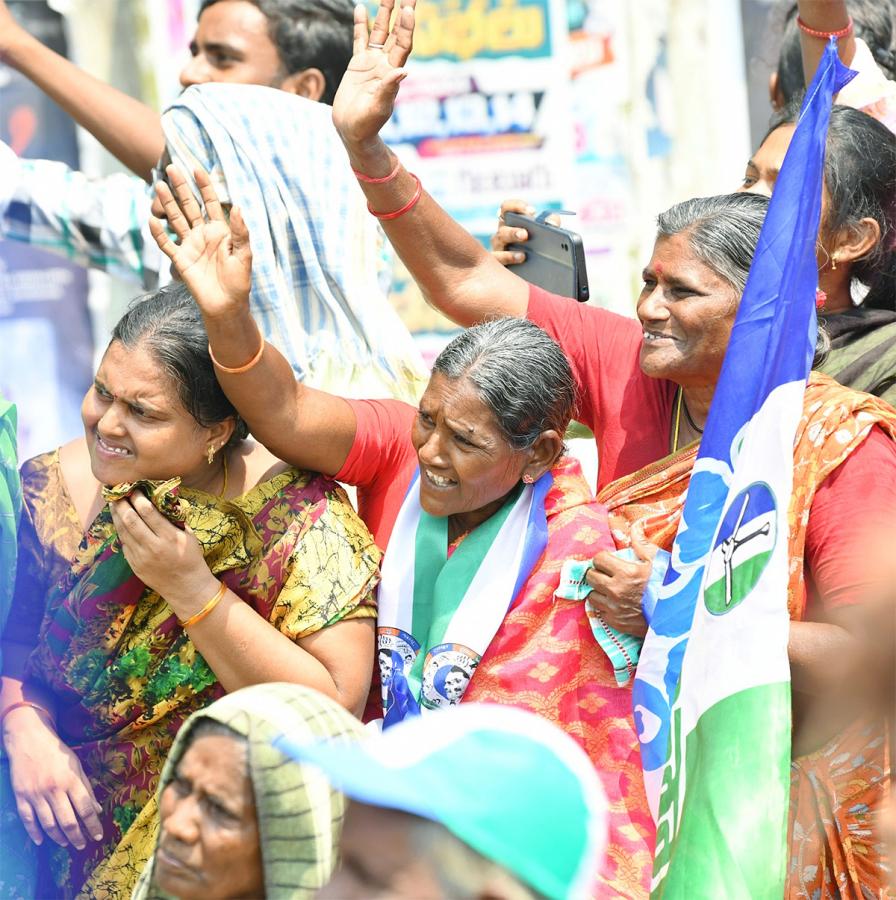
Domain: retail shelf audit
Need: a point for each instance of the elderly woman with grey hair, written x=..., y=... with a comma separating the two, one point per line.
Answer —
x=473, y=500
x=645, y=389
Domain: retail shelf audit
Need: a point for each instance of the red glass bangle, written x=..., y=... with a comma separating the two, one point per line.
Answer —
x=824, y=35
x=408, y=206
x=384, y=180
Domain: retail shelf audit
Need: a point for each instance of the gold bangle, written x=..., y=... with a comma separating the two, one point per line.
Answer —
x=238, y=370
x=21, y=703
x=198, y=617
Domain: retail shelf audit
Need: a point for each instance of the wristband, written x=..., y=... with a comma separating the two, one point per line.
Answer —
x=408, y=206
x=239, y=369
x=824, y=35
x=198, y=617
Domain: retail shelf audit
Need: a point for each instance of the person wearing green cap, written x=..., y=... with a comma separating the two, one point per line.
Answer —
x=480, y=800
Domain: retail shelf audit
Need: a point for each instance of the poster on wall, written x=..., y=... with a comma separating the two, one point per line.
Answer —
x=46, y=363
x=484, y=115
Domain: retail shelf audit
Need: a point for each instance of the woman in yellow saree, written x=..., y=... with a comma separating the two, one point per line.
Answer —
x=209, y=566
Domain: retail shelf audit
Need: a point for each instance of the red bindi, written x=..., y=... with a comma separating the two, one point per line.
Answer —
x=659, y=268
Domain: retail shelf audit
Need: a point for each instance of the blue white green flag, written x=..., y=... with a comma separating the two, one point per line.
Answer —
x=712, y=691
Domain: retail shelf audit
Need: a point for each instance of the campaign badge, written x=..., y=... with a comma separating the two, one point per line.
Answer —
x=742, y=549
x=447, y=671
x=396, y=652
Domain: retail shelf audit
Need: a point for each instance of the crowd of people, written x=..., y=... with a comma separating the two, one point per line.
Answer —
x=201, y=618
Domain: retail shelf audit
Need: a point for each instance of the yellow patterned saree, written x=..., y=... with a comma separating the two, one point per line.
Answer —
x=124, y=673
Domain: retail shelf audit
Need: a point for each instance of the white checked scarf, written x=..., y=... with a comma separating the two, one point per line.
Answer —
x=316, y=249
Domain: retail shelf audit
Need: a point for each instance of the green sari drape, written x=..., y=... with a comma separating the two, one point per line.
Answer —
x=10, y=506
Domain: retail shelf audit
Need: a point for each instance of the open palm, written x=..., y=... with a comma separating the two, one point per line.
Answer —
x=213, y=258
x=368, y=89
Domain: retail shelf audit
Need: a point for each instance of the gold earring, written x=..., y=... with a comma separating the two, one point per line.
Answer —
x=528, y=479
x=211, y=453
x=834, y=262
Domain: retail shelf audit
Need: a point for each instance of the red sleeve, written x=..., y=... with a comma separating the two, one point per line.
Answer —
x=629, y=413
x=853, y=509
x=381, y=462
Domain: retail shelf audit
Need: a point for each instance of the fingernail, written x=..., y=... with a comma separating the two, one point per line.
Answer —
x=97, y=835
x=518, y=257
x=519, y=233
x=530, y=210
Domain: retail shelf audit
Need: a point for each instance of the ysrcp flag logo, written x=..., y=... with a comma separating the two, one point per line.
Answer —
x=742, y=548
x=712, y=690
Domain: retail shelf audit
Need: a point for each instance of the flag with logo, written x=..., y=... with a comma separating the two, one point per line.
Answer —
x=712, y=692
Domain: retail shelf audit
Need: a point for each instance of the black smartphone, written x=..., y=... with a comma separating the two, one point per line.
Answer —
x=555, y=257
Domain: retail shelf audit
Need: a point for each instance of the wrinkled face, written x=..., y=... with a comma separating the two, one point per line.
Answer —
x=765, y=164
x=232, y=44
x=209, y=844
x=135, y=424
x=687, y=312
x=466, y=464
x=380, y=859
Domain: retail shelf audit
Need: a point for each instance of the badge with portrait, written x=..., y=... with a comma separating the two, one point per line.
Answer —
x=447, y=671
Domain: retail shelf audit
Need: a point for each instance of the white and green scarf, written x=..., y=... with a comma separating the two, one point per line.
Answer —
x=450, y=607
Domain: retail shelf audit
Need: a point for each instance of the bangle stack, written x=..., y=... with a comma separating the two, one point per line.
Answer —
x=824, y=35
x=198, y=617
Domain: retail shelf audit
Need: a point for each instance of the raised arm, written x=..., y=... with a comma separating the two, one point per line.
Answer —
x=307, y=428
x=127, y=128
x=457, y=275
x=826, y=16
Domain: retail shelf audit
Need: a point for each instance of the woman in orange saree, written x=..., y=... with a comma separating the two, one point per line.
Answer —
x=839, y=775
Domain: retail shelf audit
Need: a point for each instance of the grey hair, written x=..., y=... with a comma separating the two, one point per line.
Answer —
x=722, y=231
x=519, y=372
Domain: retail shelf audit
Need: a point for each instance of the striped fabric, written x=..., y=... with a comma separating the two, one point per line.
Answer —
x=95, y=222
x=316, y=249
x=299, y=814
x=623, y=650
x=863, y=351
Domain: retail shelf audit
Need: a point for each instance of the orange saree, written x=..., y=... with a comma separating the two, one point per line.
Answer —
x=834, y=848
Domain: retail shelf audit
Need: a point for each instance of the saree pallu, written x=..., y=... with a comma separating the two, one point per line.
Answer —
x=126, y=676
x=836, y=790
x=10, y=505
x=544, y=658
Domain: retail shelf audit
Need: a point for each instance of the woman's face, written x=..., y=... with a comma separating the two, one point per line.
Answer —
x=466, y=465
x=136, y=426
x=765, y=164
x=208, y=843
x=687, y=312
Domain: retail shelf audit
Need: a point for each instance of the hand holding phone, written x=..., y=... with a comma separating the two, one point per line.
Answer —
x=555, y=257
